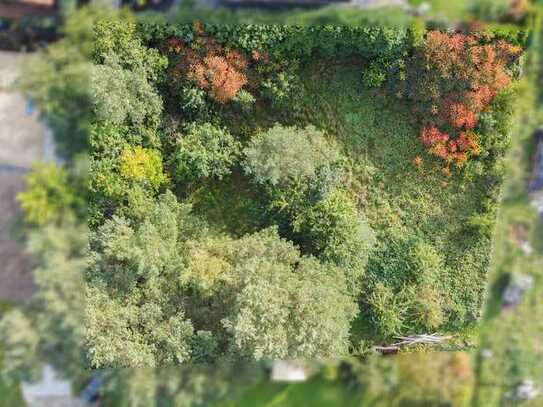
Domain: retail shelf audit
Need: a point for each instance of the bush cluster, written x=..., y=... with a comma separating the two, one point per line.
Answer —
x=451, y=80
x=404, y=288
x=222, y=73
x=264, y=299
x=301, y=173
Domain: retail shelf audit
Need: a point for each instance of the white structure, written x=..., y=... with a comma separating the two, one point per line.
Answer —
x=50, y=391
x=288, y=371
x=527, y=390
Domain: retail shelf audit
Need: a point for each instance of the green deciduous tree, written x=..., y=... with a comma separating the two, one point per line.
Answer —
x=333, y=230
x=50, y=327
x=134, y=331
x=120, y=95
x=123, y=81
x=116, y=41
x=285, y=155
x=276, y=303
x=20, y=344
x=135, y=314
x=47, y=196
x=283, y=313
x=57, y=80
x=204, y=150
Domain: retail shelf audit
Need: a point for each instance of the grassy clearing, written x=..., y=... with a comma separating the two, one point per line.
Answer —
x=453, y=10
x=314, y=392
x=403, y=203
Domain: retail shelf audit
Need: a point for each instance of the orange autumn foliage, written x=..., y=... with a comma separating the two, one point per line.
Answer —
x=457, y=76
x=459, y=115
x=452, y=151
x=221, y=73
x=219, y=77
x=468, y=75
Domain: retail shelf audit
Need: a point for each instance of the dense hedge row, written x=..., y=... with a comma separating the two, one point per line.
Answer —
x=261, y=192
x=294, y=41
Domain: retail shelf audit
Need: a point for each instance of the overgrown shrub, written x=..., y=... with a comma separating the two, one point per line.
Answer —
x=192, y=100
x=482, y=223
x=374, y=74
x=404, y=288
x=138, y=203
x=387, y=312
x=281, y=84
x=334, y=231
x=452, y=151
x=220, y=72
x=427, y=263
x=426, y=307
x=452, y=79
x=245, y=99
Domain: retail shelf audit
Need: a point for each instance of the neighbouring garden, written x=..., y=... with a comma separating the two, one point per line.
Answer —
x=262, y=192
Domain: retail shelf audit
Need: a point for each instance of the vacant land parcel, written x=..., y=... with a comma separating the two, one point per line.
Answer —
x=290, y=192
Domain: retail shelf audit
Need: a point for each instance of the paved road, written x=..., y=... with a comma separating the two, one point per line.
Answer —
x=21, y=135
x=22, y=142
